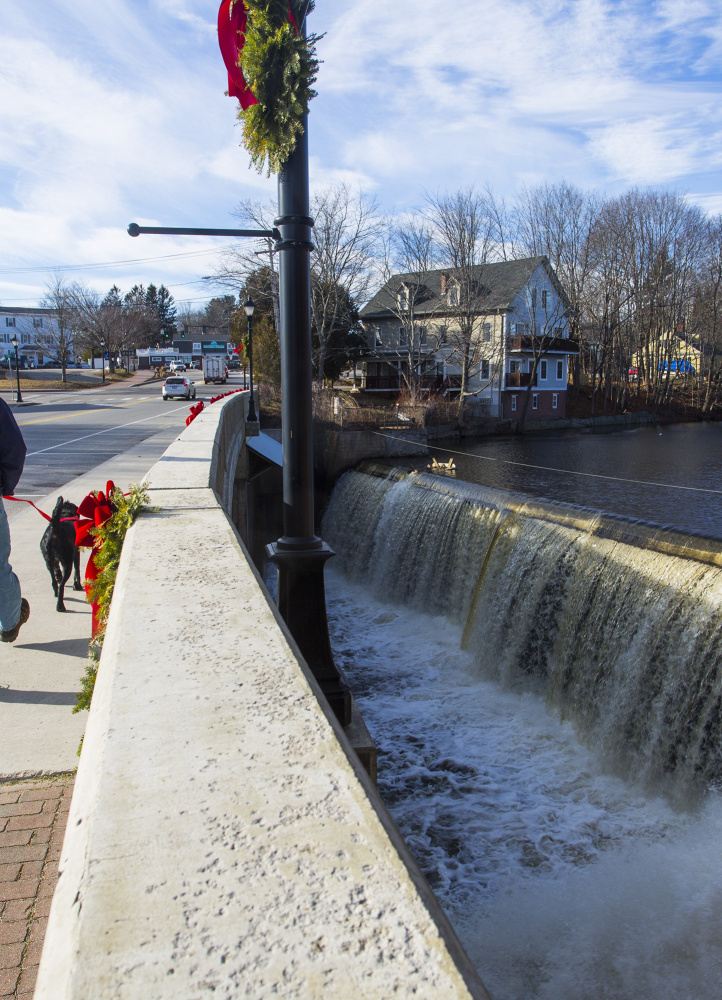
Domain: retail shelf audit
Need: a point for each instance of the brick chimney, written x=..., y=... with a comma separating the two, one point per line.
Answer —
x=443, y=282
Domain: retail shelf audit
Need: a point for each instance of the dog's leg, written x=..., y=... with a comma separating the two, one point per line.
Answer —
x=77, y=585
x=63, y=572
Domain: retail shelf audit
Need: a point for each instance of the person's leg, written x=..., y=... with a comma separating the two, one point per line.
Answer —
x=9, y=583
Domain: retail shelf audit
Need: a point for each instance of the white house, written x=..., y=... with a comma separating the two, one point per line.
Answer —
x=518, y=316
x=36, y=330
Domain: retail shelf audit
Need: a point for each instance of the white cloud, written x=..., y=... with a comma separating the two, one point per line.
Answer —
x=116, y=111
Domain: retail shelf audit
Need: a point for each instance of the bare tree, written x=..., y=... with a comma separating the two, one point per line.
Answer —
x=706, y=321
x=408, y=255
x=556, y=221
x=60, y=337
x=346, y=239
x=465, y=227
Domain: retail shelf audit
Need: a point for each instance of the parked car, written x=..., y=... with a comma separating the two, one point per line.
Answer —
x=178, y=385
x=82, y=364
x=52, y=364
x=177, y=366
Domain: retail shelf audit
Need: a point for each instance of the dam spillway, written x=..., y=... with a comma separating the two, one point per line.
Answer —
x=541, y=830
x=617, y=622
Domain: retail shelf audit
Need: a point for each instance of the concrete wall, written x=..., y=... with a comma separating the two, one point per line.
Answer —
x=223, y=838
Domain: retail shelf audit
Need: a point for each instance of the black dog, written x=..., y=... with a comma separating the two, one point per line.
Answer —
x=60, y=551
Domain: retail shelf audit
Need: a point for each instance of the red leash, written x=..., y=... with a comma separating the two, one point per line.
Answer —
x=20, y=500
x=41, y=512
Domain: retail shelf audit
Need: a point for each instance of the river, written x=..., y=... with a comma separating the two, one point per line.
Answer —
x=607, y=471
x=569, y=871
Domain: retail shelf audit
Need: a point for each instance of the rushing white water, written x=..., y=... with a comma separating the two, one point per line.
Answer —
x=563, y=879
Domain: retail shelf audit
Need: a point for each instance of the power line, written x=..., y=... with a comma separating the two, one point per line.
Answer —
x=109, y=263
x=565, y=472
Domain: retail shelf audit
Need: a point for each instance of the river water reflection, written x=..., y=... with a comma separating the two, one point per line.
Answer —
x=666, y=458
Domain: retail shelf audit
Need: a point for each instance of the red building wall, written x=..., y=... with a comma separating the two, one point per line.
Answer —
x=544, y=410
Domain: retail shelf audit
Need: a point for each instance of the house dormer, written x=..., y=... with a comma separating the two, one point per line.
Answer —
x=402, y=298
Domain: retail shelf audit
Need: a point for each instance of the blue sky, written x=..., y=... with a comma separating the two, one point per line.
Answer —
x=115, y=112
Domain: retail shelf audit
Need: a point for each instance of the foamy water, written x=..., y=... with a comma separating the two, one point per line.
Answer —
x=562, y=881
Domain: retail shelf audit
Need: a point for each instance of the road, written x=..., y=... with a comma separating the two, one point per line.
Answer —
x=69, y=433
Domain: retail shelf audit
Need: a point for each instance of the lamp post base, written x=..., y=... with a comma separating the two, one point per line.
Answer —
x=302, y=603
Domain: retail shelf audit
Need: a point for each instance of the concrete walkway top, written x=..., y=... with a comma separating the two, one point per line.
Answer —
x=40, y=672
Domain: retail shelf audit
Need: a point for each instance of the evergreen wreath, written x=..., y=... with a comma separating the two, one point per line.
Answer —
x=280, y=67
x=111, y=536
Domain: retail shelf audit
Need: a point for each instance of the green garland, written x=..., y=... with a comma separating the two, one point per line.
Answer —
x=111, y=534
x=280, y=67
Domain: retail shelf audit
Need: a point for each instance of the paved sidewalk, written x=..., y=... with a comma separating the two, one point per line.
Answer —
x=33, y=816
x=39, y=676
x=40, y=672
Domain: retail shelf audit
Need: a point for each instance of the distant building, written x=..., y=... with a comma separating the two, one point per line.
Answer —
x=36, y=330
x=190, y=345
x=520, y=334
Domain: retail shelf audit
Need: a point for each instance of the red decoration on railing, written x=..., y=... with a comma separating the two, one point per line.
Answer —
x=232, y=19
x=94, y=510
x=195, y=410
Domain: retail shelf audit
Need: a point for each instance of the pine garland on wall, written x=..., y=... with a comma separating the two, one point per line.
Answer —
x=271, y=70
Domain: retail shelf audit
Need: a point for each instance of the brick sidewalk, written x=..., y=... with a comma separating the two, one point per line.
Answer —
x=33, y=815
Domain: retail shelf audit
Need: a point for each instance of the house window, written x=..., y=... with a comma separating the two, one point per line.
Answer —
x=514, y=366
x=37, y=321
x=544, y=298
x=423, y=333
x=543, y=370
x=555, y=400
x=9, y=321
x=486, y=333
x=521, y=329
x=442, y=334
x=513, y=403
x=403, y=299
x=533, y=298
x=534, y=401
x=402, y=336
x=560, y=370
x=454, y=295
x=484, y=370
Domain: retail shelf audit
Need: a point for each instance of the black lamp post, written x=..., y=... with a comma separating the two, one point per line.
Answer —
x=249, y=307
x=300, y=555
x=14, y=342
x=102, y=359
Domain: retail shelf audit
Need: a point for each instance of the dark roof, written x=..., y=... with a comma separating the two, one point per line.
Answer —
x=501, y=281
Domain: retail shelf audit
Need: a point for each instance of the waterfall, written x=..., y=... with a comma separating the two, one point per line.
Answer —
x=616, y=622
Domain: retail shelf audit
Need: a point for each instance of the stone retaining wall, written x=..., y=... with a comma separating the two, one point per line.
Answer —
x=223, y=838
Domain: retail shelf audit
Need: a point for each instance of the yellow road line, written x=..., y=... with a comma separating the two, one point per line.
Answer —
x=79, y=413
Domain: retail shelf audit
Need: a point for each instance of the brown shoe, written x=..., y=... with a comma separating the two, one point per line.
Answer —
x=11, y=634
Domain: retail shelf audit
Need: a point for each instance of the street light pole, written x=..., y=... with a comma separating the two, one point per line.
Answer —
x=18, y=394
x=299, y=554
x=249, y=307
x=102, y=359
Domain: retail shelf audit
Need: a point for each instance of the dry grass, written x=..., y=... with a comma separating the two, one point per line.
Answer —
x=57, y=385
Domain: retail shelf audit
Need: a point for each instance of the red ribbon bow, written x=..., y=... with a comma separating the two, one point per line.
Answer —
x=232, y=20
x=94, y=510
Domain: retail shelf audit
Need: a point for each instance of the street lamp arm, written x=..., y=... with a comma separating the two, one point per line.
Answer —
x=135, y=230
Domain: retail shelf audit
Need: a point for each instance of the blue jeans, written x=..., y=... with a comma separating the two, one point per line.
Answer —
x=9, y=583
